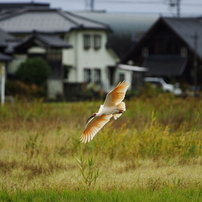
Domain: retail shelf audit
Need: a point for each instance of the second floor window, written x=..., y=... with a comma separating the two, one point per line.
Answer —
x=86, y=41
x=97, y=41
x=92, y=40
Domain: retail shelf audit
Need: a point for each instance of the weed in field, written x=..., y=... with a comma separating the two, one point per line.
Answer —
x=31, y=147
x=88, y=171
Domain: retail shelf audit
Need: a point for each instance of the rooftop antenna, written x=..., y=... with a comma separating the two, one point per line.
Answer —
x=173, y=3
x=90, y=5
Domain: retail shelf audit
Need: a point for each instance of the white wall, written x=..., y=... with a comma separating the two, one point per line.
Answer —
x=55, y=87
x=36, y=49
x=127, y=75
x=81, y=58
x=14, y=64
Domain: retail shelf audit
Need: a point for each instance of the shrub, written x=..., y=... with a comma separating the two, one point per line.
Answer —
x=33, y=71
x=22, y=90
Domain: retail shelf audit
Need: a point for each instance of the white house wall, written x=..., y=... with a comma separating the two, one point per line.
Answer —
x=14, y=64
x=80, y=58
x=55, y=88
x=36, y=49
x=127, y=75
x=68, y=54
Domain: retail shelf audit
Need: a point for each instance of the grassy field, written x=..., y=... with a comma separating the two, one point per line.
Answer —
x=153, y=152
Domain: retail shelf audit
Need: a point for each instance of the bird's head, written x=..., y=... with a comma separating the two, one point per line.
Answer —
x=92, y=116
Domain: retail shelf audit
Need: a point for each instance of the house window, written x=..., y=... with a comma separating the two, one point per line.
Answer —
x=121, y=77
x=86, y=41
x=97, y=41
x=66, y=70
x=87, y=75
x=97, y=75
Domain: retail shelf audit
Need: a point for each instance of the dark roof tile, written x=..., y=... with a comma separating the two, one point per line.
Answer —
x=186, y=29
x=4, y=38
x=4, y=57
x=46, y=40
x=46, y=20
x=165, y=65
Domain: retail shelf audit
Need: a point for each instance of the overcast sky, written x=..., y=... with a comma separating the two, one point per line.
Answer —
x=187, y=7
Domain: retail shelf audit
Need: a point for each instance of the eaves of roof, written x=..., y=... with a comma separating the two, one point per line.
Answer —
x=165, y=65
x=52, y=41
x=4, y=57
x=45, y=40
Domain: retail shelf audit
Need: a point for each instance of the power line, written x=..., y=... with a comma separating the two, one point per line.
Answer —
x=131, y=2
x=146, y=2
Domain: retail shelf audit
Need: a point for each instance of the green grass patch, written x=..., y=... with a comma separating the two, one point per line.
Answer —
x=167, y=195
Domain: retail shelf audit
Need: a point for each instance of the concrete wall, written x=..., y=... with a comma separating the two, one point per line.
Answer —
x=55, y=88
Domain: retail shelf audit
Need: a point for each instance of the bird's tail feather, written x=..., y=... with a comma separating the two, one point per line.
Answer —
x=121, y=107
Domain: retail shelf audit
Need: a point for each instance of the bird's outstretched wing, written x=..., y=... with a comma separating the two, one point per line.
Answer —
x=115, y=96
x=93, y=126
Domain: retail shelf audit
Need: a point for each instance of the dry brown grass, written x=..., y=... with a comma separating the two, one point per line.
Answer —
x=154, y=144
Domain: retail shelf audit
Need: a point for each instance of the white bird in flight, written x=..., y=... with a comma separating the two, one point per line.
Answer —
x=113, y=106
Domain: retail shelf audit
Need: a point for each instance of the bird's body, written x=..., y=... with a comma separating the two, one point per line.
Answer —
x=112, y=107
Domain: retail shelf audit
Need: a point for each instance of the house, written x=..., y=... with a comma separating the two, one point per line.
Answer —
x=171, y=48
x=127, y=27
x=82, y=55
x=48, y=46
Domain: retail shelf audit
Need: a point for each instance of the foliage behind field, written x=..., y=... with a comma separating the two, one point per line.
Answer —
x=39, y=145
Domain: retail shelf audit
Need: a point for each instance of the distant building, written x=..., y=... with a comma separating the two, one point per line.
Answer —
x=170, y=49
x=127, y=27
x=80, y=48
x=75, y=47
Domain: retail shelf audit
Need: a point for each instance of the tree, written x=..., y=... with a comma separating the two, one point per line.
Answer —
x=33, y=71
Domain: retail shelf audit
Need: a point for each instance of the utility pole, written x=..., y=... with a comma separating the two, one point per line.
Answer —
x=178, y=8
x=176, y=3
x=90, y=5
x=2, y=76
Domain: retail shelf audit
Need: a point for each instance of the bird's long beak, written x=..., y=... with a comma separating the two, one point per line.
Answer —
x=90, y=118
